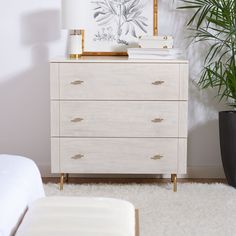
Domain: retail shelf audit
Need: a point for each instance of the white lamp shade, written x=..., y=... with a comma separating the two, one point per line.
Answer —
x=74, y=14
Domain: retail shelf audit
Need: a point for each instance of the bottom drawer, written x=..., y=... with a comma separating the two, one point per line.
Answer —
x=116, y=155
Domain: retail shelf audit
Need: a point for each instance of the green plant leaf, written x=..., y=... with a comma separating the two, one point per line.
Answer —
x=214, y=22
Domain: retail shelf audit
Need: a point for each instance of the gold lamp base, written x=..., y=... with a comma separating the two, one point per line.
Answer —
x=75, y=56
x=76, y=47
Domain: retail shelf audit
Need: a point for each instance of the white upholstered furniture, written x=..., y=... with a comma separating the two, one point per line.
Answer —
x=75, y=216
x=25, y=211
x=111, y=115
x=20, y=185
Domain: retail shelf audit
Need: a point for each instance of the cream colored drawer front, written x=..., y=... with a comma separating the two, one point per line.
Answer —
x=118, y=155
x=119, y=119
x=117, y=81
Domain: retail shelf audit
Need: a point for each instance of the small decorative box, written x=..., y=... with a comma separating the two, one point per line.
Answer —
x=156, y=42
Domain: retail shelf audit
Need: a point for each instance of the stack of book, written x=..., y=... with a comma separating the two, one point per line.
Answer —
x=150, y=53
x=155, y=47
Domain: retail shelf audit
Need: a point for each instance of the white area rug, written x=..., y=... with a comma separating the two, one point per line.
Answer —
x=196, y=209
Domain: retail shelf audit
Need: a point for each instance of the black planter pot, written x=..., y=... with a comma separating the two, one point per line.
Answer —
x=227, y=124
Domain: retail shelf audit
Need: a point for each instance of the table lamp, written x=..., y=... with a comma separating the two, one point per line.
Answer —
x=73, y=17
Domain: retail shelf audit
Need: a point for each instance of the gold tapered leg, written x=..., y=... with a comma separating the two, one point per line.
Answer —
x=174, y=181
x=61, y=181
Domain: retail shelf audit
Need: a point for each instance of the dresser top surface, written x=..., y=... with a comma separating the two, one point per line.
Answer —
x=115, y=59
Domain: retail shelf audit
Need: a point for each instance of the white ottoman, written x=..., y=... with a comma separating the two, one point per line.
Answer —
x=79, y=216
x=20, y=185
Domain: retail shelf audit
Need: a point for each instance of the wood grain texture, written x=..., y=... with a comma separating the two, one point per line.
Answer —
x=119, y=81
x=55, y=155
x=115, y=59
x=182, y=156
x=119, y=116
x=54, y=81
x=183, y=120
x=119, y=119
x=183, y=82
x=118, y=155
x=55, y=118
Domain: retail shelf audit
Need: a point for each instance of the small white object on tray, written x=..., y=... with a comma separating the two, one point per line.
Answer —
x=156, y=42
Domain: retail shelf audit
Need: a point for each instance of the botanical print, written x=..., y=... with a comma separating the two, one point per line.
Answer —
x=118, y=19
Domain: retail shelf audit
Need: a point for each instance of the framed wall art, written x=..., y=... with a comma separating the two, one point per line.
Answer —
x=115, y=25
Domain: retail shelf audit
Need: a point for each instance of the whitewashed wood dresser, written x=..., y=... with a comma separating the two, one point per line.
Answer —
x=111, y=115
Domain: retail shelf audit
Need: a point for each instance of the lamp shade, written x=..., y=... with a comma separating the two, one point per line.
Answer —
x=74, y=14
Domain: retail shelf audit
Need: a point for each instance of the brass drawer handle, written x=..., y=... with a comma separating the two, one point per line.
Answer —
x=157, y=120
x=158, y=82
x=77, y=82
x=76, y=120
x=77, y=157
x=157, y=157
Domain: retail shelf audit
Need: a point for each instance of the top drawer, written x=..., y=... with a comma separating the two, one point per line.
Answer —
x=118, y=81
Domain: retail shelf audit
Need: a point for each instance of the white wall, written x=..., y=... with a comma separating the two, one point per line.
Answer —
x=31, y=35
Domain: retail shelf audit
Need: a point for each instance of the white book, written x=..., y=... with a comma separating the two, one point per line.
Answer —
x=151, y=51
x=155, y=57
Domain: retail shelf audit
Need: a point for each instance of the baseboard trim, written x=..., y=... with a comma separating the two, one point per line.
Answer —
x=194, y=172
x=215, y=172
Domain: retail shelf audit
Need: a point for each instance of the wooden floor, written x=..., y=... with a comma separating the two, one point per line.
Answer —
x=75, y=180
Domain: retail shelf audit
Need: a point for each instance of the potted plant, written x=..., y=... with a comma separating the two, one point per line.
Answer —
x=214, y=21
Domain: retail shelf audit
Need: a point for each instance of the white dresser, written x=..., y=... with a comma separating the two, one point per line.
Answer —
x=111, y=115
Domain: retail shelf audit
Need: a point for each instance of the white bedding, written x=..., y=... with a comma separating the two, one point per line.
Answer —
x=20, y=184
x=75, y=216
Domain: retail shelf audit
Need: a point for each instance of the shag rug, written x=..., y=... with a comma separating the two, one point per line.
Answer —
x=196, y=209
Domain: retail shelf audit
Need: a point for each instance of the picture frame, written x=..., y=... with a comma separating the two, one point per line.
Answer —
x=107, y=36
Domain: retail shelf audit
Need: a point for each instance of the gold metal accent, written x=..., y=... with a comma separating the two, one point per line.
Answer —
x=75, y=56
x=158, y=82
x=82, y=34
x=61, y=181
x=157, y=157
x=157, y=120
x=155, y=17
x=77, y=82
x=105, y=54
x=76, y=120
x=174, y=180
x=155, y=33
x=78, y=156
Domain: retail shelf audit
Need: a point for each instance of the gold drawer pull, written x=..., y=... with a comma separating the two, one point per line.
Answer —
x=77, y=157
x=77, y=82
x=76, y=120
x=159, y=82
x=157, y=120
x=157, y=157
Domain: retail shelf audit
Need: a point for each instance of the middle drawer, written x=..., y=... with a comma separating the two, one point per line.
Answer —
x=119, y=118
